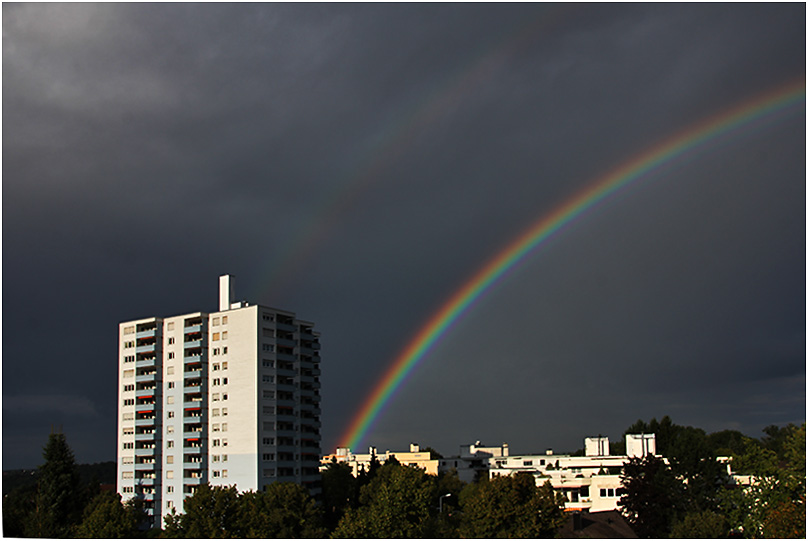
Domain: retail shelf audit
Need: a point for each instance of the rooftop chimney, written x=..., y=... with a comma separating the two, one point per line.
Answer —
x=225, y=292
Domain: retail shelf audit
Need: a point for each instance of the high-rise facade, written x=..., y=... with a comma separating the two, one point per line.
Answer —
x=226, y=398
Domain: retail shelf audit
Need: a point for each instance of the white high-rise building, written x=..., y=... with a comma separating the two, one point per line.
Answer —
x=225, y=398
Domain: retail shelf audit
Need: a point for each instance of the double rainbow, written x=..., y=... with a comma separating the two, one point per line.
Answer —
x=781, y=100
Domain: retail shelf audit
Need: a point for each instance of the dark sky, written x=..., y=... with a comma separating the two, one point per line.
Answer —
x=356, y=163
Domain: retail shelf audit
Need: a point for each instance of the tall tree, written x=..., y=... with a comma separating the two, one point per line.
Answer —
x=340, y=492
x=106, y=517
x=511, y=506
x=653, y=497
x=282, y=511
x=211, y=512
x=59, y=498
x=395, y=504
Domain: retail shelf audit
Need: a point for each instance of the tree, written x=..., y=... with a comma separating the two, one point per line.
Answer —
x=511, y=506
x=58, y=502
x=701, y=525
x=653, y=496
x=282, y=511
x=395, y=504
x=211, y=512
x=106, y=517
x=774, y=503
x=340, y=492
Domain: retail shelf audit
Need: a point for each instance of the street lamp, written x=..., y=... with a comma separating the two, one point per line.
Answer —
x=440, y=502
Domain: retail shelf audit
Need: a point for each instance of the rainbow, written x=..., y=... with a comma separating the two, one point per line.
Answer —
x=645, y=163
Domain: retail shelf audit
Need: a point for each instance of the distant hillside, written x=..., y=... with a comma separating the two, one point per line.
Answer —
x=101, y=473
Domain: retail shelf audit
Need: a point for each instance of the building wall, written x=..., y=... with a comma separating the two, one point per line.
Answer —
x=230, y=398
x=233, y=398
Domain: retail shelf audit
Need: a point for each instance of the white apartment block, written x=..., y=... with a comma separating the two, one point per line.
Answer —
x=226, y=398
x=590, y=482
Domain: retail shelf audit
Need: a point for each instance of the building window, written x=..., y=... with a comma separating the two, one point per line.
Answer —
x=128, y=445
x=215, y=337
x=267, y=347
x=215, y=473
x=216, y=381
x=224, y=396
x=169, y=489
x=215, y=458
x=170, y=354
x=216, y=322
x=128, y=416
x=129, y=359
x=128, y=489
x=224, y=458
x=169, y=400
x=224, y=351
x=215, y=365
x=224, y=473
x=215, y=412
x=224, y=320
x=170, y=429
x=129, y=373
x=170, y=384
x=224, y=427
x=269, y=441
x=224, y=411
x=216, y=443
x=169, y=370
x=224, y=335
x=170, y=459
x=170, y=474
x=171, y=326
x=129, y=402
x=170, y=340
x=129, y=344
x=224, y=364
x=224, y=381
x=128, y=430
x=170, y=444
x=127, y=460
x=269, y=456
x=215, y=397
x=127, y=475
x=268, y=379
x=129, y=330
x=215, y=427
x=170, y=414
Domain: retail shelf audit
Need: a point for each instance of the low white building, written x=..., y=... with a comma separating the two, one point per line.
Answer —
x=472, y=461
x=590, y=482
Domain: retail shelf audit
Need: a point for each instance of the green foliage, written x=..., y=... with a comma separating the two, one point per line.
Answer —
x=653, y=497
x=211, y=512
x=340, y=492
x=106, y=517
x=282, y=511
x=511, y=506
x=394, y=504
x=59, y=498
x=701, y=525
x=774, y=504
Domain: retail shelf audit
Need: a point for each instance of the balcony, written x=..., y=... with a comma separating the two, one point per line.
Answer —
x=146, y=452
x=151, y=376
x=193, y=344
x=145, y=422
x=146, y=437
x=146, y=348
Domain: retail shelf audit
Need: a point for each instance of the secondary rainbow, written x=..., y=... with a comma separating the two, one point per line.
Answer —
x=681, y=144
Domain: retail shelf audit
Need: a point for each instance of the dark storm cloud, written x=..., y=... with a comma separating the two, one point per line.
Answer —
x=357, y=163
